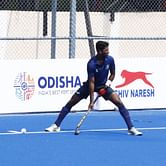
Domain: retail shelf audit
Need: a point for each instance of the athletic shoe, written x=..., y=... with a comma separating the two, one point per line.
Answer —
x=134, y=131
x=53, y=128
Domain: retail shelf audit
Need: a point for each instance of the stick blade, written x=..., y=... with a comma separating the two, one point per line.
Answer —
x=77, y=131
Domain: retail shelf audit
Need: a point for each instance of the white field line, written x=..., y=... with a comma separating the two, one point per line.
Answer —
x=15, y=132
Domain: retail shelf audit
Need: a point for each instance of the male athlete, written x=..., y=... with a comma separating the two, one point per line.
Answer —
x=98, y=69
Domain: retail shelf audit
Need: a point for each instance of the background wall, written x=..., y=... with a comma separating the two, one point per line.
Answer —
x=127, y=25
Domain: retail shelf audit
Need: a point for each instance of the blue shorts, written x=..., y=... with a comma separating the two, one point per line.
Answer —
x=83, y=91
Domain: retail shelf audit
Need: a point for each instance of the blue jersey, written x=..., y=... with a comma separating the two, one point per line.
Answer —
x=100, y=71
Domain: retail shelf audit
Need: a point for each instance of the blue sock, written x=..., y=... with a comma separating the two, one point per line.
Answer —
x=62, y=115
x=125, y=114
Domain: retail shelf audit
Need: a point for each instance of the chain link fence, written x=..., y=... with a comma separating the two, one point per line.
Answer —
x=44, y=29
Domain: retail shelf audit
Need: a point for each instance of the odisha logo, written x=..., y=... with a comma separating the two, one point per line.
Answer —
x=24, y=86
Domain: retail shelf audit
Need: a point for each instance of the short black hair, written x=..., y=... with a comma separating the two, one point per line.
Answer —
x=101, y=45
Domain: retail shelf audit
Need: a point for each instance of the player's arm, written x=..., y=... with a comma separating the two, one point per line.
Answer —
x=110, y=78
x=91, y=91
x=112, y=73
x=91, y=81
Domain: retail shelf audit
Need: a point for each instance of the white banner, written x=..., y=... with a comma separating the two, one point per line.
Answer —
x=46, y=85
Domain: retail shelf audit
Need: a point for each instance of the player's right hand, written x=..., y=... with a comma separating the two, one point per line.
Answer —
x=90, y=106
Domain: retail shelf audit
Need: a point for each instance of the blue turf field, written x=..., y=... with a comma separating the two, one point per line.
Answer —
x=103, y=140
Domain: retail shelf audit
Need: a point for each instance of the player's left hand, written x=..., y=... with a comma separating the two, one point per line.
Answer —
x=108, y=83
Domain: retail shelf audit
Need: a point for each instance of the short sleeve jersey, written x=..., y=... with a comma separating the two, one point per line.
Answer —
x=100, y=71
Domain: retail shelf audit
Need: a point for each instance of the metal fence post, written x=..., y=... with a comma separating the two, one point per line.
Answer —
x=53, y=29
x=72, y=29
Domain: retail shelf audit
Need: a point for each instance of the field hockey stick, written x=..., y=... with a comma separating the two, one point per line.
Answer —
x=77, y=130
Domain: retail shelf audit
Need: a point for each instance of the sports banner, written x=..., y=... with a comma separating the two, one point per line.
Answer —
x=46, y=85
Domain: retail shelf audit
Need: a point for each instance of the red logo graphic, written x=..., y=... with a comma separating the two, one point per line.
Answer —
x=132, y=76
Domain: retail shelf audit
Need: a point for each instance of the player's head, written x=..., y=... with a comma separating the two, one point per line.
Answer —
x=102, y=47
